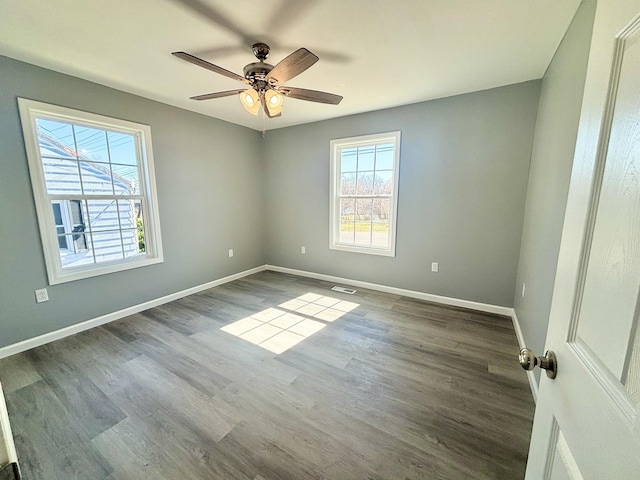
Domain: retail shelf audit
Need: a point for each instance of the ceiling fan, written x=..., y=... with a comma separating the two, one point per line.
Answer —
x=265, y=82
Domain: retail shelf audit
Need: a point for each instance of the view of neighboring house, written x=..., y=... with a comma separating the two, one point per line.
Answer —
x=91, y=228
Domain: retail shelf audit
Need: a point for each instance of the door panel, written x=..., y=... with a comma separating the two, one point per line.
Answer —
x=589, y=415
x=613, y=266
x=564, y=466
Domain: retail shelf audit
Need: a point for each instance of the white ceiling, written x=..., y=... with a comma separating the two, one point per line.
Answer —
x=376, y=53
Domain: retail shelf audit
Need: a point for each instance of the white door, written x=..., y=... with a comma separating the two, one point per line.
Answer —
x=587, y=419
x=7, y=447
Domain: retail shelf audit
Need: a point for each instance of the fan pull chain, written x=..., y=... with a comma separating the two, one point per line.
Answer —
x=264, y=124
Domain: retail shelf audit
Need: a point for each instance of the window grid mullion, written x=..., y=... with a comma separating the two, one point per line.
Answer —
x=75, y=151
x=73, y=196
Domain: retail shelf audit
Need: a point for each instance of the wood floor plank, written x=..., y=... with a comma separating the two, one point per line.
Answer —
x=17, y=372
x=393, y=388
x=93, y=412
x=48, y=447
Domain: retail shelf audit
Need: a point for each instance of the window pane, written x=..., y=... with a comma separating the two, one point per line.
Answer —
x=103, y=215
x=127, y=210
x=61, y=176
x=133, y=241
x=348, y=184
x=347, y=218
x=366, y=156
x=107, y=246
x=383, y=184
x=122, y=148
x=55, y=139
x=384, y=156
x=348, y=160
x=125, y=179
x=75, y=252
x=365, y=183
x=91, y=144
x=140, y=227
x=380, y=225
x=363, y=221
x=96, y=178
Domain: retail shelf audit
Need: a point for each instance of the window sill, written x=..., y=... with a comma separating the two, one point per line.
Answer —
x=79, y=273
x=366, y=250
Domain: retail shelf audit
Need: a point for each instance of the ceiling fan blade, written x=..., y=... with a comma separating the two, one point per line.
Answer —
x=291, y=66
x=209, y=66
x=218, y=17
x=311, y=95
x=266, y=107
x=227, y=93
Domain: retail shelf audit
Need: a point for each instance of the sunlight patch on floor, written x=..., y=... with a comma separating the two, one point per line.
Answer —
x=278, y=329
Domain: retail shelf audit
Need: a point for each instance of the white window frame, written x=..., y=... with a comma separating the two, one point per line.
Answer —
x=30, y=111
x=336, y=146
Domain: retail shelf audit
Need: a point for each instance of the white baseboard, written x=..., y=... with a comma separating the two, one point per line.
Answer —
x=125, y=312
x=110, y=317
x=456, y=302
x=533, y=384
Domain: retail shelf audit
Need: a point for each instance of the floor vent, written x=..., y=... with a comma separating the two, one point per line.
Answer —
x=350, y=291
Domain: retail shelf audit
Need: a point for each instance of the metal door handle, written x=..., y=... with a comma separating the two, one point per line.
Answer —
x=549, y=362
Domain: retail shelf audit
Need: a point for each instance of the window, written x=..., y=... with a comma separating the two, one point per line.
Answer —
x=94, y=188
x=364, y=193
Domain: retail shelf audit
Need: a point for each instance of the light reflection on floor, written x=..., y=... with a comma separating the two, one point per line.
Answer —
x=279, y=329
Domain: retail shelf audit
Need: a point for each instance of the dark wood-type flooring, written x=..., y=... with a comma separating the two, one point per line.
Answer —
x=396, y=388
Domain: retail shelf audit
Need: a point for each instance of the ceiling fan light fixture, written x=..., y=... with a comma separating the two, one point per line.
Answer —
x=274, y=101
x=250, y=101
x=264, y=81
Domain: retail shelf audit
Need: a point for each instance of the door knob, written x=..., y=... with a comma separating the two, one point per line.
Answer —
x=549, y=362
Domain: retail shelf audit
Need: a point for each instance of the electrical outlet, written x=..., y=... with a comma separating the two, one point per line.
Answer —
x=523, y=289
x=434, y=267
x=303, y=250
x=230, y=252
x=42, y=295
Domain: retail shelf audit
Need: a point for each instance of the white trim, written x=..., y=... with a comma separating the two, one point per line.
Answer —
x=533, y=384
x=335, y=146
x=125, y=312
x=7, y=447
x=429, y=297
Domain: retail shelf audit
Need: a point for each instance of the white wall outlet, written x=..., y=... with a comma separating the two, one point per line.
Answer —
x=434, y=267
x=230, y=252
x=303, y=250
x=523, y=289
x=42, y=295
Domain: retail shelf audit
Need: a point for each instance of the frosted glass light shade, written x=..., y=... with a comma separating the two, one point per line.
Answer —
x=250, y=101
x=274, y=101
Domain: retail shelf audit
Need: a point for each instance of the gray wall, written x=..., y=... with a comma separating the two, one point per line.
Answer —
x=553, y=148
x=463, y=178
x=210, y=191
